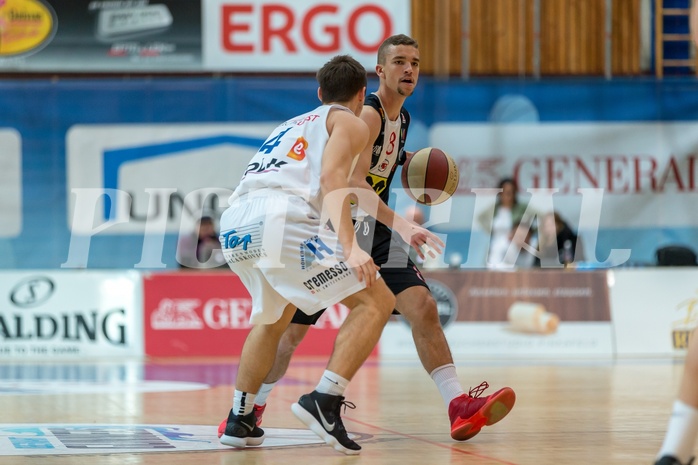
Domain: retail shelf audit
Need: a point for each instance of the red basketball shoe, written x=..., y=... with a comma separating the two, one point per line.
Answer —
x=470, y=412
x=258, y=411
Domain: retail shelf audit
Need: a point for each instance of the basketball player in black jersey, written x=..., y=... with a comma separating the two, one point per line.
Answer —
x=388, y=121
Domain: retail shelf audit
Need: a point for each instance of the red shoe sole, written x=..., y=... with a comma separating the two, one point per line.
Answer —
x=496, y=408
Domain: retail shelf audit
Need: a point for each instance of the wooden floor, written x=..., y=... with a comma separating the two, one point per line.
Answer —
x=567, y=412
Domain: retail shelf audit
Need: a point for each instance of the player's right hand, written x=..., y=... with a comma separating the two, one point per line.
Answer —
x=423, y=241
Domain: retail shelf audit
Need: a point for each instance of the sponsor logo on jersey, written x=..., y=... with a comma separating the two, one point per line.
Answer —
x=378, y=183
x=302, y=121
x=313, y=249
x=243, y=243
x=327, y=277
x=297, y=152
x=264, y=166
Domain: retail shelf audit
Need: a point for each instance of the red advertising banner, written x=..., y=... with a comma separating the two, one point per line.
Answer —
x=208, y=313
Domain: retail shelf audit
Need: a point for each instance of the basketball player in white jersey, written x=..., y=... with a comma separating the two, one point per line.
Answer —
x=679, y=443
x=274, y=236
x=388, y=120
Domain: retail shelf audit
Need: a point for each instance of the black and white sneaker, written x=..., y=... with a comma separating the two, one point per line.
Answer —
x=320, y=412
x=242, y=431
x=669, y=460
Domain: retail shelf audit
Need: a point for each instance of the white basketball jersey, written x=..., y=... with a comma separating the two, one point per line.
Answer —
x=291, y=158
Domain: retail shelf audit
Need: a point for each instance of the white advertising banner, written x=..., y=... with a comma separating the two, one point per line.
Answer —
x=48, y=314
x=297, y=35
x=491, y=339
x=10, y=183
x=654, y=309
x=128, y=179
x=607, y=175
x=529, y=313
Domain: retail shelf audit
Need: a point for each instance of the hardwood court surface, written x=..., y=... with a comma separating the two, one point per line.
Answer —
x=567, y=411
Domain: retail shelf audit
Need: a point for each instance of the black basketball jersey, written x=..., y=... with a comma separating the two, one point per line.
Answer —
x=388, y=148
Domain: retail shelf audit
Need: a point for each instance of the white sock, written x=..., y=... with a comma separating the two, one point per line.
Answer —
x=681, y=433
x=332, y=383
x=242, y=402
x=264, y=391
x=446, y=380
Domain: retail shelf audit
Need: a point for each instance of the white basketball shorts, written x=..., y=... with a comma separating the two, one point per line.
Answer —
x=282, y=254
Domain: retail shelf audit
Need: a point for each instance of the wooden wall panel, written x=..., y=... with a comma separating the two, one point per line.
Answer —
x=572, y=37
x=501, y=36
x=436, y=25
x=423, y=32
x=626, y=37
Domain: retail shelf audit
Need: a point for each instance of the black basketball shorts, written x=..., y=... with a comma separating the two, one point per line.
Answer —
x=391, y=254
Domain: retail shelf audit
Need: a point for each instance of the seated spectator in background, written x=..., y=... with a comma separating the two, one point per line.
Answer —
x=202, y=248
x=558, y=244
x=508, y=211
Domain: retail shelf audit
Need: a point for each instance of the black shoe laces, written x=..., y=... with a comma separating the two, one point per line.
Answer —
x=338, y=410
x=478, y=390
x=346, y=405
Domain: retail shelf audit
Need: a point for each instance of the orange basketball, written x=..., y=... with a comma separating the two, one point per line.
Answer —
x=430, y=176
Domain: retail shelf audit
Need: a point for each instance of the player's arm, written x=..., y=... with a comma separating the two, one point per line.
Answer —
x=348, y=136
x=411, y=233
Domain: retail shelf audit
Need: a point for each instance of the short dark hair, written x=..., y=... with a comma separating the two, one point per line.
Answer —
x=341, y=78
x=503, y=182
x=397, y=39
x=512, y=181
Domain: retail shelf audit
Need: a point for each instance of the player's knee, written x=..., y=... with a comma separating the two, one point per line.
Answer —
x=420, y=309
x=376, y=299
x=381, y=299
x=292, y=337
